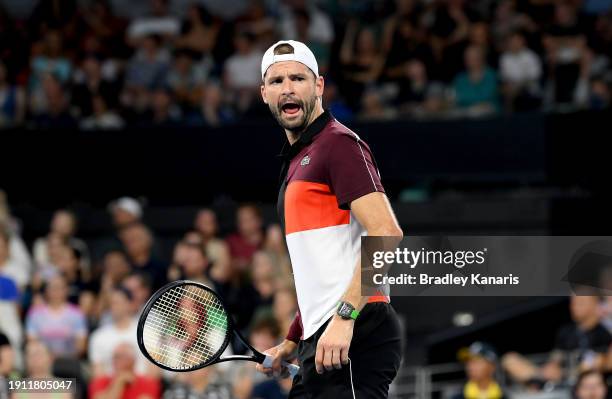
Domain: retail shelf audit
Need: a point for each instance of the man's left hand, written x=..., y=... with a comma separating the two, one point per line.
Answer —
x=333, y=346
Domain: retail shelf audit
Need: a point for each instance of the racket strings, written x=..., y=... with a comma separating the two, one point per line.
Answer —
x=186, y=327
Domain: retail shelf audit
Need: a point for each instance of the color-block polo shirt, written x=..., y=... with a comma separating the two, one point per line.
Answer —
x=323, y=172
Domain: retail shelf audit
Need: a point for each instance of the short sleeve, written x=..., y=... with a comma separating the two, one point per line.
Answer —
x=352, y=170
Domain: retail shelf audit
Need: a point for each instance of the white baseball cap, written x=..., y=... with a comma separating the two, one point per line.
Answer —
x=301, y=53
x=127, y=204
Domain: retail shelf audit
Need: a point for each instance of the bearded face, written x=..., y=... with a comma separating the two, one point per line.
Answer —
x=291, y=91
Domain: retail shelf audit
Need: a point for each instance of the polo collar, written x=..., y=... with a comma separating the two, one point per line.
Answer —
x=289, y=151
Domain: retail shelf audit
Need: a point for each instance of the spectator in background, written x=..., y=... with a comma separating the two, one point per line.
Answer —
x=187, y=81
x=39, y=360
x=51, y=61
x=599, y=96
x=320, y=27
x=320, y=49
x=404, y=42
x=55, y=243
x=90, y=85
x=265, y=277
x=450, y=24
x=195, y=264
x=160, y=22
x=586, y=335
x=199, y=32
x=200, y=384
x=99, y=21
x=476, y=91
x=506, y=21
x=115, y=268
x=214, y=110
x=64, y=226
x=9, y=267
x=80, y=289
x=10, y=325
x=276, y=248
x=257, y=20
x=417, y=95
x=568, y=56
x=520, y=72
x=7, y=354
x=362, y=62
x=55, y=113
x=333, y=101
x=284, y=307
x=102, y=118
x=249, y=236
x=138, y=243
x=105, y=340
x=146, y=71
x=274, y=388
x=480, y=363
x=12, y=101
x=141, y=287
x=60, y=325
x=216, y=248
x=241, y=71
x=164, y=113
x=124, y=382
x=265, y=333
x=18, y=251
x=590, y=385
x=374, y=108
x=125, y=211
x=479, y=36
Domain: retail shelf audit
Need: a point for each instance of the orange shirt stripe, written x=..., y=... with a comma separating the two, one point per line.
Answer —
x=311, y=206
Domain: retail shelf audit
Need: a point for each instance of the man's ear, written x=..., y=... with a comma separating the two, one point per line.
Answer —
x=263, y=94
x=320, y=86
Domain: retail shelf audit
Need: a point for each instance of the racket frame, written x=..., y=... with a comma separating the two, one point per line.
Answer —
x=257, y=356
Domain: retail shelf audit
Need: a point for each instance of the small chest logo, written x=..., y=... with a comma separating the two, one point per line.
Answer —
x=305, y=161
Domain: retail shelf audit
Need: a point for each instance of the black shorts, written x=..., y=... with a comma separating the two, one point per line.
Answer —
x=375, y=354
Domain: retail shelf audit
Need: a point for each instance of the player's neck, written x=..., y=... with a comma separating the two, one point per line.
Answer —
x=292, y=136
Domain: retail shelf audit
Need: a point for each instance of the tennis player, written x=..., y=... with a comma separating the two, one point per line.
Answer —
x=347, y=346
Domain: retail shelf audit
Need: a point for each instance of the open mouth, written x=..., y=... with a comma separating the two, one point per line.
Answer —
x=290, y=108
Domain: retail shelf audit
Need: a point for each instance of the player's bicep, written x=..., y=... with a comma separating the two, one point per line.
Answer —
x=373, y=211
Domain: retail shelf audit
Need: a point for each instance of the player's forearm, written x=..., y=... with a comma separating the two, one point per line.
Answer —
x=352, y=294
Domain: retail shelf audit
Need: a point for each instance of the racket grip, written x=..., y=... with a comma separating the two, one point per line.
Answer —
x=292, y=368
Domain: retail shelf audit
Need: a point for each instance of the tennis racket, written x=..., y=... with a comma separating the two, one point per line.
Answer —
x=184, y=326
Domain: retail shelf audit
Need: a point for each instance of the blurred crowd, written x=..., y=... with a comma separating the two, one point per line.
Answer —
x=579, y=365
x=67, y=312
x=70, y=307
x=106, y=64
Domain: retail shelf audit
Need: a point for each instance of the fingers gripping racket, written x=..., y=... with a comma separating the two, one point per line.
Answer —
x=184, y=326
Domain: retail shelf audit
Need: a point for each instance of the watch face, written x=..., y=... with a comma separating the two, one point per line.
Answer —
x=345, y=310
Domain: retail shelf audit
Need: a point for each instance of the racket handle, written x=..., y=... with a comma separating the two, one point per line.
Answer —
x=293, y=369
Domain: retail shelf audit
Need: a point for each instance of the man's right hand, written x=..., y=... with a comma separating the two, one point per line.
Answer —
x=285, y=351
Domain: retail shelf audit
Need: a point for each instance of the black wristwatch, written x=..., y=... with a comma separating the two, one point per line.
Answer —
x=347, y=311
